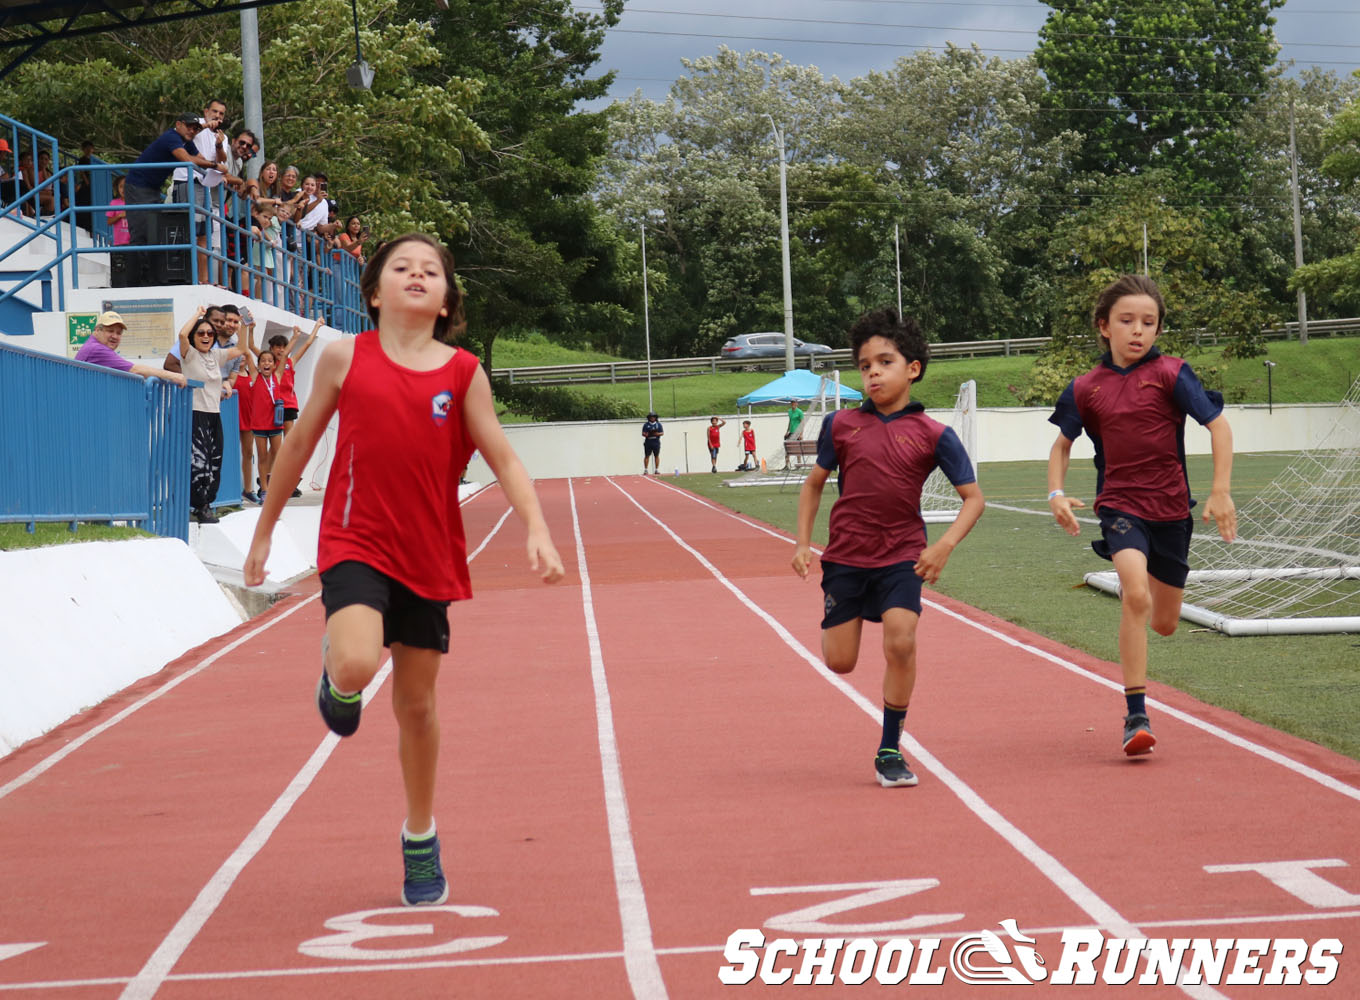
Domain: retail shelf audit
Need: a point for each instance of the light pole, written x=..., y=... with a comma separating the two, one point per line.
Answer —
x=646, y=320
x=784, y=247
x=1270, y=388
x=897, y=252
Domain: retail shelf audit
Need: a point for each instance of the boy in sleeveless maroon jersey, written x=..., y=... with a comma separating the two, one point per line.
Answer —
x=1133, y=405
x=876, y=557
x=391, y=550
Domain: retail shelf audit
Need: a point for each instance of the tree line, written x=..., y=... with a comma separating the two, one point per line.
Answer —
x=993, y=194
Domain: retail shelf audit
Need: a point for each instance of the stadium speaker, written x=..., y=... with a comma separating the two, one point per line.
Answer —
x=172, y=266
x=120, y=270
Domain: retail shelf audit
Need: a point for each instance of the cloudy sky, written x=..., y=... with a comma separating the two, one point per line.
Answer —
x=847, y=38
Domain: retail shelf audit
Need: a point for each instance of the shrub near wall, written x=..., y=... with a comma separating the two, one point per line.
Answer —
x=553, y=403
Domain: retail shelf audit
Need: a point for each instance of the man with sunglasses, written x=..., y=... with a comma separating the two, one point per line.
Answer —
x=144, y=183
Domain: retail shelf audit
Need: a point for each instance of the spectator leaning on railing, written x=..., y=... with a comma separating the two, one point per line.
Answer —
x=144, y=183
x=211, y=144
x=102, y=349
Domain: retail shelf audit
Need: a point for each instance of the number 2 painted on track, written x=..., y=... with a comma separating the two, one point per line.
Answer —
x=354, y=928
x=809, y=919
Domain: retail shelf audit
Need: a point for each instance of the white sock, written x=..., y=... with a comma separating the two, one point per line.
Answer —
x=405, y=832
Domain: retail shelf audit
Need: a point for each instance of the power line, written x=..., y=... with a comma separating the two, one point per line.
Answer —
x=887, y=45
x=972, y=28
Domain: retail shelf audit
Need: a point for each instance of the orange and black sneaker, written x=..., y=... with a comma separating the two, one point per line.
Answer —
x=1138, y=738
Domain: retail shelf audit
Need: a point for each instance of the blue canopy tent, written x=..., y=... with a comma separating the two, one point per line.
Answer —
x=797, y=384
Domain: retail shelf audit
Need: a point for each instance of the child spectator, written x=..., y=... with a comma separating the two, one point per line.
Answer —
x=204, y=361
x=282, y=349
x=266, y=412
x=386, y=581
x=877, y=557
x=118, y=218
x=268, y=233
x=353, y=237
x=245, y=422
x=1133, y=405
x=714, y=439
x=748, y=442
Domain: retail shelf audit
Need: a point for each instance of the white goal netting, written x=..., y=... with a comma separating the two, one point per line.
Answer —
x=1295, y=567
x=939, y=500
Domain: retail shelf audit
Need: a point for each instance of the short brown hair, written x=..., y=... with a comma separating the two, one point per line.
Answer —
x=446, y=328
x=1129, y=284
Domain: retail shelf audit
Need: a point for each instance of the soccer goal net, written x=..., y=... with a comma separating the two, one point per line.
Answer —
x=939, y=500
x=1295, y=567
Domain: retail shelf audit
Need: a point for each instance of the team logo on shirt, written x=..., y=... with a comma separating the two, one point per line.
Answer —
x=439, y=406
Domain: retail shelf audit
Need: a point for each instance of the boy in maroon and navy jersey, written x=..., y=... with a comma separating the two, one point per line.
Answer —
x=877, y=555
x=1133, y=405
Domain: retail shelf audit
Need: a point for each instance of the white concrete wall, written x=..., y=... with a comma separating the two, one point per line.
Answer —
x=552, y=451
x=83, y=621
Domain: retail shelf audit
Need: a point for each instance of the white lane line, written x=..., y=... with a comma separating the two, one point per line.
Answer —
x=157, y=968
x=644, y=972
x=1102, y=913
x=1274, y=756
x=55, y=758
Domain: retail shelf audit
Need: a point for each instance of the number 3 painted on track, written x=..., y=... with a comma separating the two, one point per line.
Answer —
x=353, y=928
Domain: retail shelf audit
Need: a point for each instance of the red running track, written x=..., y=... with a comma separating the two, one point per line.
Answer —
x=639, y=763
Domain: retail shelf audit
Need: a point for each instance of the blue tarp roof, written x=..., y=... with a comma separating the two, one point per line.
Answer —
x=797, y=384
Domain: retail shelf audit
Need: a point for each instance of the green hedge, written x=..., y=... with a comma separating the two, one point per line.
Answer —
x=553, y=403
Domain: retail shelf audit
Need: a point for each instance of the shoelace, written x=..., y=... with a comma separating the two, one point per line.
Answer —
x=418, y=868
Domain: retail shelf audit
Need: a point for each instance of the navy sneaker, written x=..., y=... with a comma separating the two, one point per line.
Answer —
x=250, y=497
x=891, y=769
x=340, y=712
x=1138, y=738
x=425, y=884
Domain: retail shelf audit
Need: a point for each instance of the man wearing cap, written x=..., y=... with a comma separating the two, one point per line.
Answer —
x=143, y=184
x=651, y=443
x=102, y=349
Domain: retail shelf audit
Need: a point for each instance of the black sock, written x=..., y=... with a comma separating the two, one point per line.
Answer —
x=1135, y=698
x=893, y=718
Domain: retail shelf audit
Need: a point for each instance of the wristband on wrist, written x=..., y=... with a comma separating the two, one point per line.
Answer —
x=1056, y=493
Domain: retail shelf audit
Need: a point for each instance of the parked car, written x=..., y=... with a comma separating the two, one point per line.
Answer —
x=768, y=345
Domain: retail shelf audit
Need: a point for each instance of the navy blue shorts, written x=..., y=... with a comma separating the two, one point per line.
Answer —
x=1165, y=543
x=713, y=453
x=651, y=446
x=407, y=617
x=852, y=592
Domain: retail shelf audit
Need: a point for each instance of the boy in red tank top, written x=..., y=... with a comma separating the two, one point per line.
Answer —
x=412, y=410
x=1133, y=405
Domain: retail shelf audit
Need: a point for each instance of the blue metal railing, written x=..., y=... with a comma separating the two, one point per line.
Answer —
x=308, y=281
x=83, y=443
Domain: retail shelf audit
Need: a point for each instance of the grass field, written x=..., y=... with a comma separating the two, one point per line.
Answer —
x=1318, y=372
x=1023, y=568
x=16, y=536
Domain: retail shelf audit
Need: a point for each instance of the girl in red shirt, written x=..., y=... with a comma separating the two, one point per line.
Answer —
x=391, y=551
x=262, y=399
